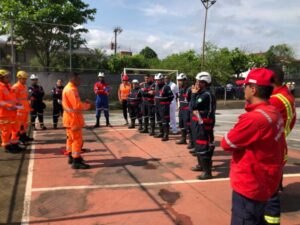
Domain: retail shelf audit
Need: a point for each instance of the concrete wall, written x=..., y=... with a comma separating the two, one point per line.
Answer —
x=48, y=81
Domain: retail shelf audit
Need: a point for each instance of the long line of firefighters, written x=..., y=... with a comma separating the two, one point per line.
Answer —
x=149, y=103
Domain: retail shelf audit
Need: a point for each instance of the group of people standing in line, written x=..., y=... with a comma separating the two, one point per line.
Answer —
x=257, y=141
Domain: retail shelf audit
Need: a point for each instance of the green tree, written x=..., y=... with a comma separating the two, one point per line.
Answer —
x=186, y=62
x=282, y=53
x=239, y=61
x=217, y=63
x=34, y=25
x=257, y=60
x=148, y=53
x=117, y=63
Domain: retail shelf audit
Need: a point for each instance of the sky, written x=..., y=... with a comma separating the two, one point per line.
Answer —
x=172, y=26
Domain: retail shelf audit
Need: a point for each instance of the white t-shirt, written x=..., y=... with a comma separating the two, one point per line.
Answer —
x=174, y=89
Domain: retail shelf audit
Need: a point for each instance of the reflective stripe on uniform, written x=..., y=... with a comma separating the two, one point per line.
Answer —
x=272, y=219
x=229, y=142
x=289, y=113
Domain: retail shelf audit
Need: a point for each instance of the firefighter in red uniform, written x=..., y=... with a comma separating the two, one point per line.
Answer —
x=203, y=107
x=284, y=102
x=184, y=111
x=163, y=96
x=258, y=147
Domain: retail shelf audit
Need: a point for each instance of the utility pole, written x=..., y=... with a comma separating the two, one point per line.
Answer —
x=117, y=31
x=207, y=4
x=13, y=53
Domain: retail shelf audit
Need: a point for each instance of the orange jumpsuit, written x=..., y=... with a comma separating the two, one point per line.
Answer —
x=73, y=119
x=7, y=114
x=21, y=93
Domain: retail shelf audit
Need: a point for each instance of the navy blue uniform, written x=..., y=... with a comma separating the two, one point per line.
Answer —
x=36, y=95
x=134, y=105
x=57, y=106
x=184, y=110
x=163, y=99
x=203, y=107
x=148, y=110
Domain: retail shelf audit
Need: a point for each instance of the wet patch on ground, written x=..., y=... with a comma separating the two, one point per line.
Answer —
x=55, y=204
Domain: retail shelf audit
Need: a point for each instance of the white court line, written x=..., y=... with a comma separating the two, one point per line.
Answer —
x=28, y=190
x=112, y=186
x=222, y=121
x=292, y=139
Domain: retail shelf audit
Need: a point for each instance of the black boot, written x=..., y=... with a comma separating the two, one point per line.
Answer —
x=17, y=148
x=152, y=127
x=145, y=129
x=182, y=140
x=78, y=163
x=197, y=168
x=9, y=148
x=166, y=132
x=161, y=132
x=97, y=122
x=206, y=163
x=191, y=144
x=55, y=126
x=70, y=158
x=108, y=123
x=132, y=124
x=28, y=138
x=23, y=138
x=140, y=125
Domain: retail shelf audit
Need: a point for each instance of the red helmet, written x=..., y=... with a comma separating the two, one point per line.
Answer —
x=125, y=77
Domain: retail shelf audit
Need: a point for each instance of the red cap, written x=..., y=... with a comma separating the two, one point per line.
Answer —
x=260, y=77
x=125, y=77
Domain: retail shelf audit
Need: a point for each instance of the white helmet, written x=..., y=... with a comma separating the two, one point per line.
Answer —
x=158, y=76
x=135, y=81
x=181, y=76
x=34, y=77
x=204, y=76
x=100, y=74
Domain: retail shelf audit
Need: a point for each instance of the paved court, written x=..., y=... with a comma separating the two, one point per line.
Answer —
x=136, y=179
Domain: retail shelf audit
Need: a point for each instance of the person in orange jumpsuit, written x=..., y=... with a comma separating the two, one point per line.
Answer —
x=123, y=93
x=21, y=93
x=8, y=113
x=73, y=121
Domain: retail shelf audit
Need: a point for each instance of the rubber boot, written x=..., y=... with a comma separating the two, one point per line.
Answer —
x=140, y=125
x=17, y=148
x=28, y=138
x=191, y=143
x=43, y=127
x=55, y=126
x=23, y=138
x=78, y=163
x=132, y=124
x=206, y=163
x=182, y=140
x=161, y=132
x=166, y=131
x=152, y=129
x=199, y=166
x=107, y=122
x=9, y=148
x=145, y=129
x=70, y=158
x=97, y=122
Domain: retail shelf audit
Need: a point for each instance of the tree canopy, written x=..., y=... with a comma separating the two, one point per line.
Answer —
x=148, y=53
x=44, y=26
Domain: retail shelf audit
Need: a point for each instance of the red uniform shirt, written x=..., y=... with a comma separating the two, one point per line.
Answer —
x=258, y=146
x=101, y=88
x=284, y=102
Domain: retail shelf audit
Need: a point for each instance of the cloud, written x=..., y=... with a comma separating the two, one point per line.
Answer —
x=151, y=39
x=154, y=10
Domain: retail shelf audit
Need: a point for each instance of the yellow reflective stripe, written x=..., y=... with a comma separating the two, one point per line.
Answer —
x=272, y=219
x=289, y=111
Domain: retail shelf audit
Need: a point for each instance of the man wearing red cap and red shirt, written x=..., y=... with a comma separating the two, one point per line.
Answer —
x=284, y=102
x=258, y=147
x=123, y=93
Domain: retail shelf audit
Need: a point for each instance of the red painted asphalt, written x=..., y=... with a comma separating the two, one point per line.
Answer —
x=135, y=179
